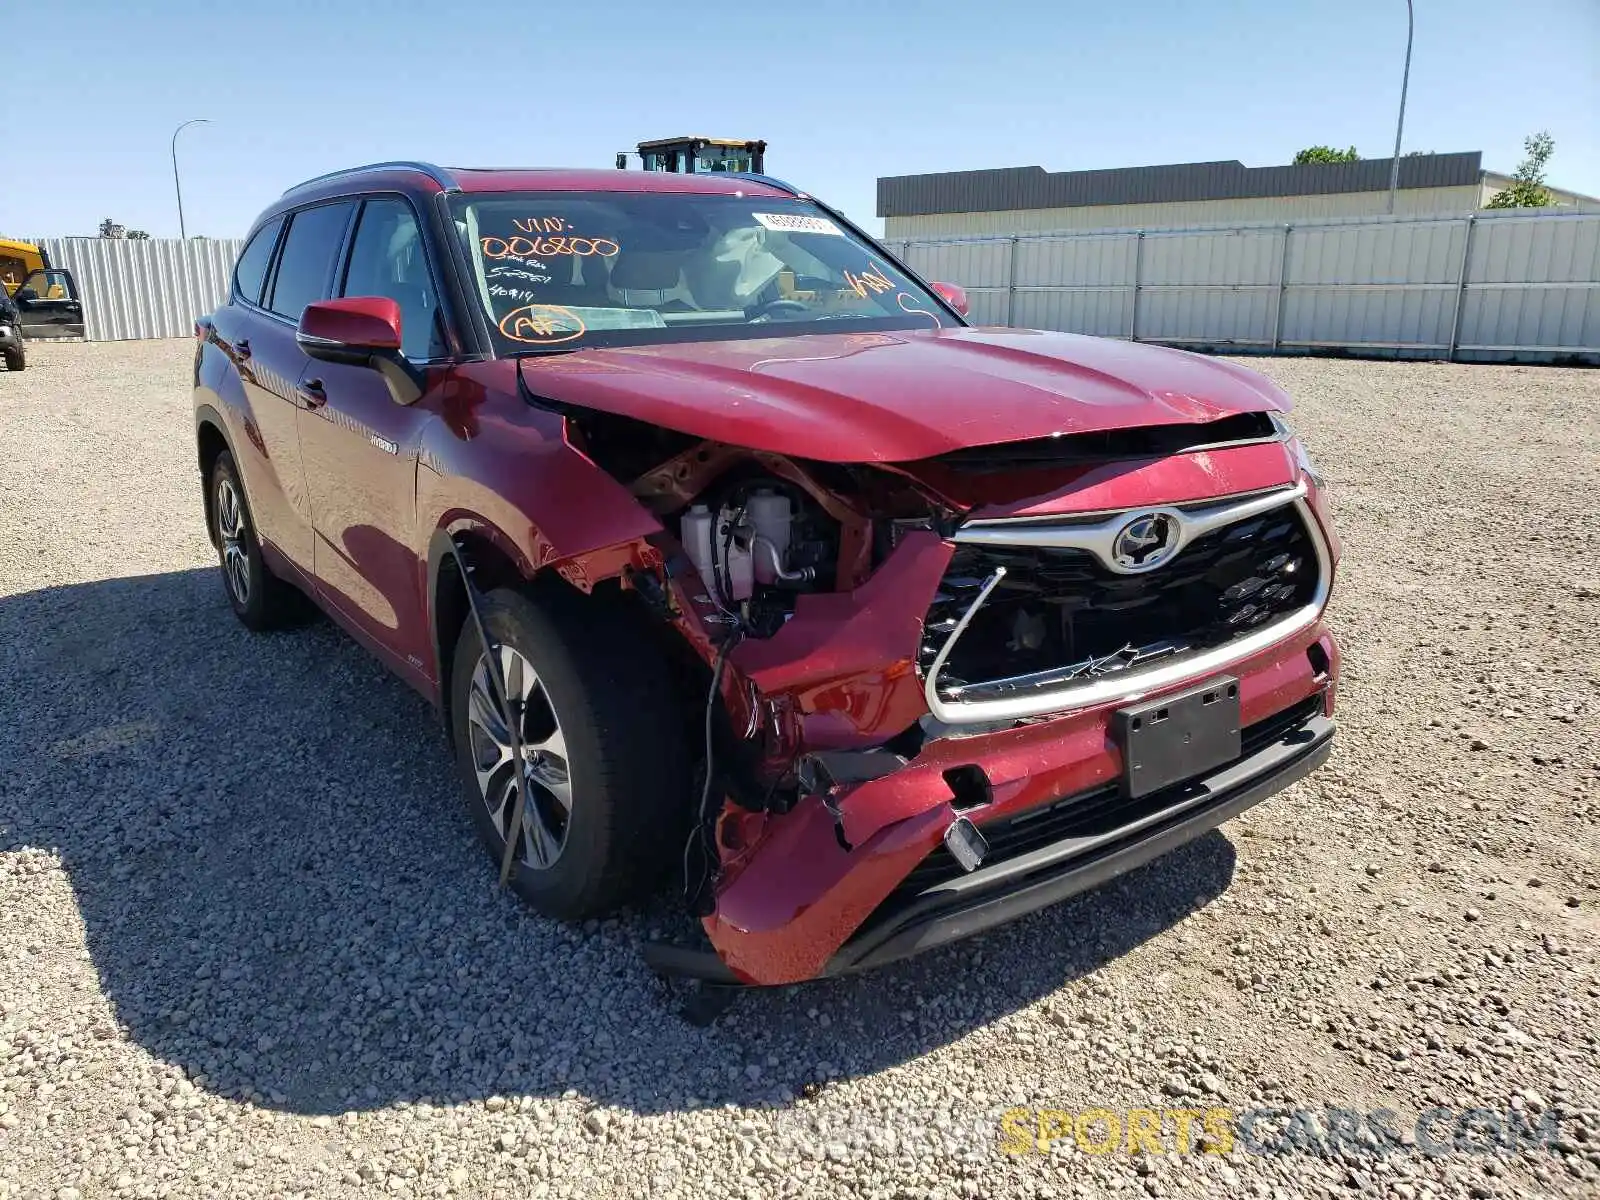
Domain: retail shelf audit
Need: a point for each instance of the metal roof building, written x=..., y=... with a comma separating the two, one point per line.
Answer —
x=1032, y=200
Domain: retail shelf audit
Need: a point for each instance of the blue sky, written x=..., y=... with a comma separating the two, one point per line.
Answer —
x=843, y=92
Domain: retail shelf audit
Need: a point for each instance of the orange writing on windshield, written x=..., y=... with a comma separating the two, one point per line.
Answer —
x=542, y=324
x=541, y=225
x=870, y=282
x=908, y=304
x=552, y=247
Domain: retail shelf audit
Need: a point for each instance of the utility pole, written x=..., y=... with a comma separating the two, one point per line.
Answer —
x=1399, y=126
x=176, y=184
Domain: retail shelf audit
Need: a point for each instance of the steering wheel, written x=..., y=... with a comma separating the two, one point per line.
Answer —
x=771, y=307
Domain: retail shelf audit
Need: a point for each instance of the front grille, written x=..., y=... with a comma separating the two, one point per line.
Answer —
x=1061, y=611
x=1091, y=814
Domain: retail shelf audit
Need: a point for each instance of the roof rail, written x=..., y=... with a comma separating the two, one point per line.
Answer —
x=438, y=174
x=769, y=181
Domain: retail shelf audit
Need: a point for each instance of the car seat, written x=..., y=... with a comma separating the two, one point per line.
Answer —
x=650, y=279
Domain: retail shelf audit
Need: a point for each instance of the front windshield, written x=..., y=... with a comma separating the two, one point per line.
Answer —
x=565, y=270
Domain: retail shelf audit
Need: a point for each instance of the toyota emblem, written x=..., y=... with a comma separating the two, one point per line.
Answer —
x=1145, y=542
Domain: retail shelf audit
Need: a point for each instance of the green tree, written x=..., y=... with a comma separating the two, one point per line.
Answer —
x=1527, y=188
x=138, y=235
x=1322, y=154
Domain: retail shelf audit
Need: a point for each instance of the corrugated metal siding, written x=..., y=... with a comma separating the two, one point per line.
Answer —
x=1534, y=282
x=145, y=289
x=1489, y=285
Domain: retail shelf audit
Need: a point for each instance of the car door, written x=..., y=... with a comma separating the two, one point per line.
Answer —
x=49, y=305
x=360, y=450
x=259, y=335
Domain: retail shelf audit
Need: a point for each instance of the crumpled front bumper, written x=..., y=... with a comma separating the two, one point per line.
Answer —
x=801, y=906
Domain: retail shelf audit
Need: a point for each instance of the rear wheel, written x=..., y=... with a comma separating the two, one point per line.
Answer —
x=15, y=360
x=604, y=766
x=259, y=598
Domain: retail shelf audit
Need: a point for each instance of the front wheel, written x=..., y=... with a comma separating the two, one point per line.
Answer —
x=15, y=360
x=604, y=764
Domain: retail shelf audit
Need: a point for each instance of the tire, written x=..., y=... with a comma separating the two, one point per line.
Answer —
x=15, y=360
x=258, y=598
x=600, y=711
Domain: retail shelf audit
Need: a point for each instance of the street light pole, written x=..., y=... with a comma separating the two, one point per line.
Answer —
x=176, y=184
x=1405, y=80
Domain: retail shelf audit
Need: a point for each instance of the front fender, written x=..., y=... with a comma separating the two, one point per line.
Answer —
x=541, y=501
x=497, y=460
x=502, y=471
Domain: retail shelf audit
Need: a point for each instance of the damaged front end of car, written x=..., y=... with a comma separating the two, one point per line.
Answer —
x=917, y=668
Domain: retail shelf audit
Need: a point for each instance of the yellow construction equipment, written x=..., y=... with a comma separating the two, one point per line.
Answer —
x=18, y=260
x=700, y=155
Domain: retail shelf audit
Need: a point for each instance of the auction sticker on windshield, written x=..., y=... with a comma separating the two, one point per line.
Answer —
x=798, y=223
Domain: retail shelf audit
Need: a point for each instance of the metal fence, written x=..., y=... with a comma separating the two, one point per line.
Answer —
x=1489, y=286
x=148, y=288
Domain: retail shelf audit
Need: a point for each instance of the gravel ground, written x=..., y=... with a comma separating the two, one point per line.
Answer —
x=248, y=946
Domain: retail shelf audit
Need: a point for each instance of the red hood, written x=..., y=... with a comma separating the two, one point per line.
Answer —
x=897, y=397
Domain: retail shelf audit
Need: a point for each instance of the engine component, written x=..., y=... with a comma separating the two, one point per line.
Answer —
x=695, y=532
x=733, y=552
x=756, y=542
x=771, y=515
x=769, y=564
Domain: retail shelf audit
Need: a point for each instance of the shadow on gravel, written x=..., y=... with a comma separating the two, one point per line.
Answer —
x=283, y=895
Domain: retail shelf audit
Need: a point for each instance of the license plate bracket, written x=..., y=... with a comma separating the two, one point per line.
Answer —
x=1177, y=737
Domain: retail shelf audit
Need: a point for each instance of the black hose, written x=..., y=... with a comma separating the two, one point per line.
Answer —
x=699, y=830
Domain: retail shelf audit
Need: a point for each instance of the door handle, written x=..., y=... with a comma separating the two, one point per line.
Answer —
x=241, y=348
x=313, y=393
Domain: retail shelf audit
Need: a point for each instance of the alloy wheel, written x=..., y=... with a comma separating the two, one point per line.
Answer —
x=232, y=529
x=547, y=812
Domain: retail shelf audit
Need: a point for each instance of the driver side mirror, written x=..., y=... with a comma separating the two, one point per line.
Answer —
x=954, y=295
x=360, y=331
x=25, y=296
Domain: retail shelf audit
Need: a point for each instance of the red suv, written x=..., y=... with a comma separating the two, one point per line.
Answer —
x=729, y=552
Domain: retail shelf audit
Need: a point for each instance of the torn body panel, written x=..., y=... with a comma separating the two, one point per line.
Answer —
x=513, y=471
x=798, y=897
x=847, y=661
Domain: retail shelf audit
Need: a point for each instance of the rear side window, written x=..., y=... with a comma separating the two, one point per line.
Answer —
x=251, y=272
x=305, y=268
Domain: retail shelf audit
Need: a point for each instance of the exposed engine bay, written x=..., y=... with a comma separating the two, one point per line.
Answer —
x=761, y=529
x=751, y=536
x=765, y=542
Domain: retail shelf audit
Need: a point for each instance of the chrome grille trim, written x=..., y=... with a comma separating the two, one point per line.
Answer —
x=1097, y=538
x=1132, y=684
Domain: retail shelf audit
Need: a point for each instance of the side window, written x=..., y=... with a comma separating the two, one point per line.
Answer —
x=251, y=271
x=387, y=258
x=49, y=285
x=305, y=267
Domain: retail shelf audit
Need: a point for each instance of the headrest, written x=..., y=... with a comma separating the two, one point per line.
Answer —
x=640, y=270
